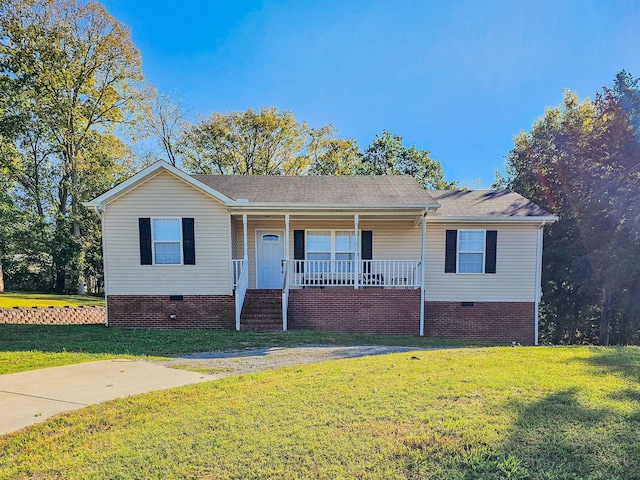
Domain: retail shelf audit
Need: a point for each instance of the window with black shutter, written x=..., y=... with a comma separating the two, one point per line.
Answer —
x=167, y=241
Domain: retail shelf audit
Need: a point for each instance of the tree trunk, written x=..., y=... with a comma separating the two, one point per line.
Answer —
x=1, y=277
x=605, y=317
x=60, y=279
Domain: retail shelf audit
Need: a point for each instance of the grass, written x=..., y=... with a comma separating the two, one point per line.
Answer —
x=44, y=300
x=476, y=413
x=28, y=347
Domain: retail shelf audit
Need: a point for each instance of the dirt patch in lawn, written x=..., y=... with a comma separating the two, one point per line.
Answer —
x=225, y=364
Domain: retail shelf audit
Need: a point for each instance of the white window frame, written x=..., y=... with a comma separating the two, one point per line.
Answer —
x=332, y=252
x=460, y=252
x=153, y=242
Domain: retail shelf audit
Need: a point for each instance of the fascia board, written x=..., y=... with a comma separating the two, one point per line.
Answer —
x=491, y=219
x=288, y=207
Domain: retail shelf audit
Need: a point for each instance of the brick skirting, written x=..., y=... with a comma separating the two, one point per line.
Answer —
x=496, y=322
x=366, y=310
x=154, y=311
x=53, y=316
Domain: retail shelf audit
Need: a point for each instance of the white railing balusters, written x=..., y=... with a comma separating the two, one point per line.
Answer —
x=384, y=273
x=285, y=294
x=241, y=289
x=237, y=267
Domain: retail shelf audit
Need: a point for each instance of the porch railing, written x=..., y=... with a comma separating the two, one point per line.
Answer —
x=241, y=289
x=378, y=273
x=237, y=268
x=285, y=295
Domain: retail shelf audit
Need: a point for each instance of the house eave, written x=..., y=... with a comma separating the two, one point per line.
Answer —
x=370, y=209
x=492, y=219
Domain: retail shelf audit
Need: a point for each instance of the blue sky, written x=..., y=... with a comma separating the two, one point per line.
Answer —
x=458, y=78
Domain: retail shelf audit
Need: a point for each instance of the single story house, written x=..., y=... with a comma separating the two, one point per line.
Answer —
x=369, y=254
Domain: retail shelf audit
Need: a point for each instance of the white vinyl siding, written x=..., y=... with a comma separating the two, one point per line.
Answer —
x=514, y=280
x=165, y=196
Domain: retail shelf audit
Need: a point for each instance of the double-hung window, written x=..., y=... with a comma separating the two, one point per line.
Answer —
x=471, y=251
x=167, y=241
x=333, y=250
x=319, y=249
x=345, y=250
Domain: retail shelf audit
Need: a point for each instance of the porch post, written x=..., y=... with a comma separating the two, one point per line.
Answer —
x=286, y=237
x=423, y=271
x=244, y=241
x=356, y=270
x=286, y=272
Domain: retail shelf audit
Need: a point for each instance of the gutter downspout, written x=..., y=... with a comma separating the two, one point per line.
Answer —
x=99, y=210
x=538, y=284
x=423, y=271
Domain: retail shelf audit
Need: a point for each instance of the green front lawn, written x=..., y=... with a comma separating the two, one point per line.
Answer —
x=27, y=347
x=44, y=300
x=476, y=413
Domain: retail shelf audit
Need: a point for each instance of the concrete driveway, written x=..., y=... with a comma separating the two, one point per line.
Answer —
x=31, y=397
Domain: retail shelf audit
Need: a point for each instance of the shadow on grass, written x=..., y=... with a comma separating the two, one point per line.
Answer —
x=567, y=436
x=620, y=361
x=96, y=339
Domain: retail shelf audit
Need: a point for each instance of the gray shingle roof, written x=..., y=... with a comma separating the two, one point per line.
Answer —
x=484, y=203
x=385, y=190
x=321, y=190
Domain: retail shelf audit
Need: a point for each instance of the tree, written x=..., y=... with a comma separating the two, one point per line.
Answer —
x=162, y=118
x=388, y=156
x=262, y=142
x=329, y=155
x=72, y=69
x=580, y=160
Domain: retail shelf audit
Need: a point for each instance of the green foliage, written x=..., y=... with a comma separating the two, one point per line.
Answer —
x=268, y=142
x=387, y=156
x=580, y=162
x=263, y=142
x=499, y=413
x=67, y=70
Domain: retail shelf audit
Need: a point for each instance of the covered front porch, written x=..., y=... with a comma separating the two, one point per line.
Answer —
x=297, y=254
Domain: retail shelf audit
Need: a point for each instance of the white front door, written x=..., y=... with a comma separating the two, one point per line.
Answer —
x=270, y=247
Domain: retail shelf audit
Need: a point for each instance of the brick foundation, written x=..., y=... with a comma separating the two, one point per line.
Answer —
x=153, y=311
x=53, y=316
x=495, y=322
x=367, y=310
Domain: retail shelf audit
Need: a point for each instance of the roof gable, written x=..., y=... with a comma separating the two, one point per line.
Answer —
x=146, y=175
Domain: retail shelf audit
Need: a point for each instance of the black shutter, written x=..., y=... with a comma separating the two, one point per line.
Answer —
x=188, y=242
x=144, y=226
x=451, y=251
x=491, y=241
x=298, y=248
x=366, y=249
